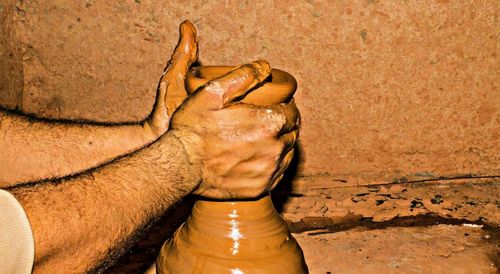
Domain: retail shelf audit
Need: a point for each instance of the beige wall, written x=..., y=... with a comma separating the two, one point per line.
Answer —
x=387, y=89
x=11, y=76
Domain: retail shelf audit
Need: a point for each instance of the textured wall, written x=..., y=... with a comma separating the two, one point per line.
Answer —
x=11, y=76
x=386, y=88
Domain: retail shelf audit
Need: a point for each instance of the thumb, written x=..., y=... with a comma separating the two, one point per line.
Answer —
x=232, y=86
x=172, y=90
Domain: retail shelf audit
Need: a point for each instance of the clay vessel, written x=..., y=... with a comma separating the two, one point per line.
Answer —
x=232, y=237
x=280, y=87
x=235, y=236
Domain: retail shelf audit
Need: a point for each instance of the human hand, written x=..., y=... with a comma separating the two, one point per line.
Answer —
x=171, y=91
x=239, y=150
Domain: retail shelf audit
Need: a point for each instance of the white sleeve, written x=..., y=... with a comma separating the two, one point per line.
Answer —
x=17, y=248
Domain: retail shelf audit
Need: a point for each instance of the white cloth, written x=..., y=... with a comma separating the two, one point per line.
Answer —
x=17, y=247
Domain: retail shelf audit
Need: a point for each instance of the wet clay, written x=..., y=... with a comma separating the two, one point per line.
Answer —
x=235, y=236
x=280, y=87
x=232, y=237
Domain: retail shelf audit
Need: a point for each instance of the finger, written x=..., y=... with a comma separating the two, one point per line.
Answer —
x=292, y=117
x=224, y=90
x=278, y=175
x=276, y=182
x=172, y=88
x=186, y=51
x=281, y=118
x=288, y=140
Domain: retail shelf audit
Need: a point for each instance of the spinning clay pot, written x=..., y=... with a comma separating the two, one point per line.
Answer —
x=235, y=236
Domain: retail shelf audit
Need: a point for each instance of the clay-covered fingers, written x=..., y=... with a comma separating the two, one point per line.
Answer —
x=228, y=88
x=172, y=88
x=288, y=140
x=292, y=116
x=279, y=119
x=171, y=92
x=288, y=143
x=283, y=165
x=185, y=52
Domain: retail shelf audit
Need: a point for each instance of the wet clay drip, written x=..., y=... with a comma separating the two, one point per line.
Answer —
x=235, y=236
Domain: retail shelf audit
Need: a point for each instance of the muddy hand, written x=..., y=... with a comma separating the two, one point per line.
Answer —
x=171, y=91
x=240, y=150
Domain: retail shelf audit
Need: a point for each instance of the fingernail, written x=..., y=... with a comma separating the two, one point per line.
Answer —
x=187, y=27
x=263, y=67
x=188, y=39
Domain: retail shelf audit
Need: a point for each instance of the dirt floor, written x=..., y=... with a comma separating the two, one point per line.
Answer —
x=404, y=227
x=316, y=204
x=442, y=248
x=428, y=227
x=432, y=249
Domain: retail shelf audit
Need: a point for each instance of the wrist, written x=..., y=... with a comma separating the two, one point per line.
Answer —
x=181, y=143
x=150, y=133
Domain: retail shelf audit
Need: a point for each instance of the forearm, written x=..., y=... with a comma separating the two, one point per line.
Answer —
x=82, y=222
x=33, y=150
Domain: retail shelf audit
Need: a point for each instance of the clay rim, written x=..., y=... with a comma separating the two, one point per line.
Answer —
x=279, y=80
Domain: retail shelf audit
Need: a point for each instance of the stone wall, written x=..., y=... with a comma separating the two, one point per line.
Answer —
x=388, y=90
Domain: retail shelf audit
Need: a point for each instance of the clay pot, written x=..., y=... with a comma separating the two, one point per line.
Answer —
x=235, y=236
x=280, y=87
x=232, y=237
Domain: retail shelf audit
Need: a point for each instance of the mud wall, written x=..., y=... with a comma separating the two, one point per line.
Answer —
x=388, y=90
x=11, y=75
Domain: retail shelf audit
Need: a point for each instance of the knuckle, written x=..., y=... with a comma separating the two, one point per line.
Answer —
x=257, y=191
x=268, y=122
x=281, y=119
x=214, y=87
x=246, y=70
x=272, y=120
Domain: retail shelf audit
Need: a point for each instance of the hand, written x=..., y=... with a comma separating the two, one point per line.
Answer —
x=171, y=92
x=239, y=150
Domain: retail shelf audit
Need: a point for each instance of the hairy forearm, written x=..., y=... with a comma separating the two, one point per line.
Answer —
x=83, y=222
x=33, y=150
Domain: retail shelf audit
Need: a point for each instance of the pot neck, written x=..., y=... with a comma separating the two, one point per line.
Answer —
x=255, y=218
